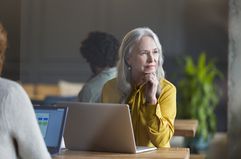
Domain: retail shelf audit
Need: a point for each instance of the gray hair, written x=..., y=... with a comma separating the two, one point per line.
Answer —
x=128, y=42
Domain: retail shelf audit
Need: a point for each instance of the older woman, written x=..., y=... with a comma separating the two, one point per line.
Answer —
x=20, y=136
x=141, y=83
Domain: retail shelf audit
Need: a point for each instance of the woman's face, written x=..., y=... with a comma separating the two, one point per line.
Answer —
x=144, y=57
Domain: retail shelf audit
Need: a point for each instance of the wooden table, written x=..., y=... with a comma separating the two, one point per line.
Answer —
x=185, y=127
x=161, y=153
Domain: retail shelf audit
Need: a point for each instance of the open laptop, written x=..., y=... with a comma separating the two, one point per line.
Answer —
x=100, y=127
x=51, y=121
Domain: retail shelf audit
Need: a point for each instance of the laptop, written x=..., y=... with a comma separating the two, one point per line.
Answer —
x=100, y=127
x=51, y=120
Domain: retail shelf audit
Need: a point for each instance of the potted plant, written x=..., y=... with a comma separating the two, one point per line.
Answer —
x=198, y=96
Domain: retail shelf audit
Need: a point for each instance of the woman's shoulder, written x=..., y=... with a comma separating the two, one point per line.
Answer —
x=110, y=92
x=7, y=85
x=111, y=83
x=12, y=94
x=12, y=90
x=167, y=85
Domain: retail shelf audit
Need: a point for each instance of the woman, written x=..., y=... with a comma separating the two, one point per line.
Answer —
x=20, y=136
x=141, y=83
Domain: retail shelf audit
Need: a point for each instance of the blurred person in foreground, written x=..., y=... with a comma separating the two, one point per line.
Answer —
x=141, y=84
x=20, y=135
x=100, y=49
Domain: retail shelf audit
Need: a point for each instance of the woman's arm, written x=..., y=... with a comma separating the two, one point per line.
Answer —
x=160, y=117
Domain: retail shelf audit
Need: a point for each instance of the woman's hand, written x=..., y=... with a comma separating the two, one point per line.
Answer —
x=151, y=86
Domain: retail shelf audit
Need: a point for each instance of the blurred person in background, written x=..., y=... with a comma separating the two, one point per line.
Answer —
x=100, y=49
x=20, y=135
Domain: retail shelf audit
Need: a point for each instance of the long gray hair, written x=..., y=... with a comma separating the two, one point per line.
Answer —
x=124, y=73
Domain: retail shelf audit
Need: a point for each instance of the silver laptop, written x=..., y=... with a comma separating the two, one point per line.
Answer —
x=100, y=127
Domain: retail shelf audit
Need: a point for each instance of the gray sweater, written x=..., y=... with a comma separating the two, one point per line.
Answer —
x=20, y=136
x=91, y=92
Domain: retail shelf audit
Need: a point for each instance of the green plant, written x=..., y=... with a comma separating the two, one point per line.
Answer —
x=198, y=94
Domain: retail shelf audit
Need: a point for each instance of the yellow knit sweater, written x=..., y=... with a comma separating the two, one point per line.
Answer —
x=153, y=124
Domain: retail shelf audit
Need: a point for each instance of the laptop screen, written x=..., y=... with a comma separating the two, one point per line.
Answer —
x=51, y=121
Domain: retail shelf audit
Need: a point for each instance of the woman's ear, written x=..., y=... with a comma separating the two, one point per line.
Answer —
x=127, y=60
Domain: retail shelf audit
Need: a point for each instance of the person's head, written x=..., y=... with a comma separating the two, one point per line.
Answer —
x=140, y=53
x=3, y=45
x=100, y=49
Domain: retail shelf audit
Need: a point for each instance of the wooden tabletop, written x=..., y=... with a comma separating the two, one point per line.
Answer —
x=161, y=153
x=185, y=127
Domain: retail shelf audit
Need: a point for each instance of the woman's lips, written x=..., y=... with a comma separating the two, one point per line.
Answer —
x=150, y=68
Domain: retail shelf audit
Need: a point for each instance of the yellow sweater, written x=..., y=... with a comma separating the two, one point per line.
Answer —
x=153, y=124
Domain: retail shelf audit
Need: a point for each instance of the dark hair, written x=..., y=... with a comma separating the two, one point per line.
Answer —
x=100, y=49
x=3, y=45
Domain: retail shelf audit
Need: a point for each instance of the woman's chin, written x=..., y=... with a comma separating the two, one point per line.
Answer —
x=149, y=71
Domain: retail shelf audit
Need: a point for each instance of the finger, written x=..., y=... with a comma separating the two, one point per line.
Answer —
x=151, y=77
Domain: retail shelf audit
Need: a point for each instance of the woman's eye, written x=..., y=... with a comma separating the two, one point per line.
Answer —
x=155, y=51
x=143, y=52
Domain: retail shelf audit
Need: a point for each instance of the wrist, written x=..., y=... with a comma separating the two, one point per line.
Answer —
x=151, y=101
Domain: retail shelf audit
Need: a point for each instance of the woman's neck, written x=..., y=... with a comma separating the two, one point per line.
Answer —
x=136, y=79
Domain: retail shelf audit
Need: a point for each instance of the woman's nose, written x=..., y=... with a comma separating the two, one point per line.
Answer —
x=150, y=57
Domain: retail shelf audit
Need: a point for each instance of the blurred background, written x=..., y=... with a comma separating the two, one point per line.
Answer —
x=45, y=36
